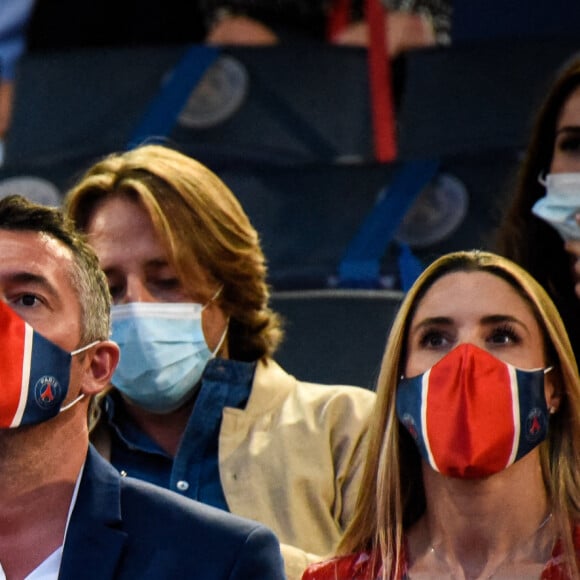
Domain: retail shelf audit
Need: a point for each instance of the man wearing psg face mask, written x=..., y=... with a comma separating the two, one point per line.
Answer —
x=64, y=512
x=199, y=404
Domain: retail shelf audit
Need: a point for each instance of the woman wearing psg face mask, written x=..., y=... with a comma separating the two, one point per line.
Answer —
x=472, y=464
x=540, y=228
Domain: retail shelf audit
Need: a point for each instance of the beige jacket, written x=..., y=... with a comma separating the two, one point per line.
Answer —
x=292, y=460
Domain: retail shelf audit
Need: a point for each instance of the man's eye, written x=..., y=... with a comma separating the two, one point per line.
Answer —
x=166, y=283
x=28, y=300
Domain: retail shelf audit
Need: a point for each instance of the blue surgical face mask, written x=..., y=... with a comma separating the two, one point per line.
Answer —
x=163, y=353
x=560, y=204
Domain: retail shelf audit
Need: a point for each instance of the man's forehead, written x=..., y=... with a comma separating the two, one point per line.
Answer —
x=27, y=237
x=55, y=246
x=37, y=252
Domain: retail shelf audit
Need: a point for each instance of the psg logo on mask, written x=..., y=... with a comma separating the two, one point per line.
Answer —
x=535, y=425
x=409, y=423
x=47, y=392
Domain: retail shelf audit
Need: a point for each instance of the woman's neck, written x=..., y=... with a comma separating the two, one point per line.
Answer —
x=474, y=528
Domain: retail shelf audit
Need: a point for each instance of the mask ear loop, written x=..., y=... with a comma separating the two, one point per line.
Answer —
x=551, y=408
x=86, y=347
x=82, y=395
x=222, y=339
x=542, y=178
x=214, y=297
x=225, y=332
x=72, y=403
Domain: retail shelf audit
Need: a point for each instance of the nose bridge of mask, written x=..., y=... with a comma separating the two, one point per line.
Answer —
x=464, y=360
x=171, y=310
x=169, y=322
x=467, y=356
x=562, y=184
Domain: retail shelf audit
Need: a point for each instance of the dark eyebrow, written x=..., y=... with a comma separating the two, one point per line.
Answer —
x=491, y=319
x=158, y=263
x=439, y=320
x=568, y=129
x=153, y=264
x=502, y=318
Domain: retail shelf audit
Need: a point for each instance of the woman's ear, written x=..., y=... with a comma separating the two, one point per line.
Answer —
x=97, y=374
x=553, y=390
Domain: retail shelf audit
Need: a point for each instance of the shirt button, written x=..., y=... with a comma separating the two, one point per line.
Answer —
x=182, y=485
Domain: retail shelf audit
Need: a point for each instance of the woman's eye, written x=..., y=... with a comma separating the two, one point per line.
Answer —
x=504, y=335
x=571, y=143
x=433, y=339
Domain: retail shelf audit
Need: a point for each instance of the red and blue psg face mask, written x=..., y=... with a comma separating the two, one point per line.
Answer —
x=34, y=373
x=472, y=415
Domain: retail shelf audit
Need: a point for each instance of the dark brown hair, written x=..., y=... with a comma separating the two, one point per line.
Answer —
x=523, y=237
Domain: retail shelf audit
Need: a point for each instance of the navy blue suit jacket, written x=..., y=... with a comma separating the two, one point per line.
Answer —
x=123, y=528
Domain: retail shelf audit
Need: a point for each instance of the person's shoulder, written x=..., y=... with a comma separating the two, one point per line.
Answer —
x=169, y=534
x=186, y=531
x=277, y=391
x=337, y=395
x=331, y=401
x=143, y=500
x=273, y=380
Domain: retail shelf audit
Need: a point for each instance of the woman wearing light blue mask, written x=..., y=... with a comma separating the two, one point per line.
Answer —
x=200, y=406
x=550, y=173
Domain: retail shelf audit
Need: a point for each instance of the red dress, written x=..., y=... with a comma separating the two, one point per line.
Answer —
x=358, y=566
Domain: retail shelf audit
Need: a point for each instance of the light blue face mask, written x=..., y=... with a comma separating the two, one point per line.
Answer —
x=163, y=353
x=560, y=204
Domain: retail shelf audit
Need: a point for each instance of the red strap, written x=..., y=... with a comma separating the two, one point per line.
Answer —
x=338, y=18
x=383, y=110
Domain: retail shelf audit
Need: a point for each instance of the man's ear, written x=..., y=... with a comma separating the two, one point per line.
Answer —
x=104, y=358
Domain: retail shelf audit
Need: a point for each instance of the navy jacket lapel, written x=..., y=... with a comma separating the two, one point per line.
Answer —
x=95, y=540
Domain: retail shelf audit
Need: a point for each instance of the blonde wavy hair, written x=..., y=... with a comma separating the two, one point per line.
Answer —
x=202, y=225
x=391, y=496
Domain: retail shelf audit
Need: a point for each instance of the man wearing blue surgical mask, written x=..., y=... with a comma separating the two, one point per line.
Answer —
x=200, y=406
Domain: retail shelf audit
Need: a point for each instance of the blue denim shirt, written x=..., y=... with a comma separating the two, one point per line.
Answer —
x=194, y=471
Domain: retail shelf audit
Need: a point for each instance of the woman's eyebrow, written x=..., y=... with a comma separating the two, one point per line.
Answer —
x=568, y=129
x=432, y=320
x=503, y=318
